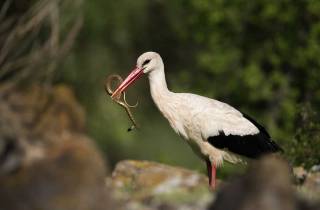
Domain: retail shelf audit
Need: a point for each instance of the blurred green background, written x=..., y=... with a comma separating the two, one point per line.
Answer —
x=261, y=57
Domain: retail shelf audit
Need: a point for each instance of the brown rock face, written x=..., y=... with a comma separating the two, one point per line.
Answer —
x=41, y=110
x=63, y=176
x=46, y=160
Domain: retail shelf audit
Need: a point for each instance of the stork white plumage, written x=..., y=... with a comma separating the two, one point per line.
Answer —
x=214, y=130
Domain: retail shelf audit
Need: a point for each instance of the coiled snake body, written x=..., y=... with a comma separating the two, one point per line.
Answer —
x=120, y=98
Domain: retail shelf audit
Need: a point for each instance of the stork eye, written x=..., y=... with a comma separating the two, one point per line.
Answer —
x=146, y=62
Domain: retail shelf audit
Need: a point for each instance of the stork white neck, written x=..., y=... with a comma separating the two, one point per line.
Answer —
x=162, y=97
x=157, y=80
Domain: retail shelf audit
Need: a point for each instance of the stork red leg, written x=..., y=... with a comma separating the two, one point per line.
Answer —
x=211, y=168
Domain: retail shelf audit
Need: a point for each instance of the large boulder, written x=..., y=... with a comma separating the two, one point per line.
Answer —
x=46, y=159
x=148, y=185
x=66, y=175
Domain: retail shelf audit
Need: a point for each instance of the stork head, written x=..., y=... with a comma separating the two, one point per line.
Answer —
x=146, y=63
x=149, y=61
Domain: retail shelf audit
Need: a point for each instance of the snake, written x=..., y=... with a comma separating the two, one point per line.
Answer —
x=120, y=98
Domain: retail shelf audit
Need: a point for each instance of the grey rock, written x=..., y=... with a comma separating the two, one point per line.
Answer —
x=315, y=168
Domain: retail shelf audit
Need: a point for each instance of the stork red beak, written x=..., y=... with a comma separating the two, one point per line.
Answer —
x=133, y=76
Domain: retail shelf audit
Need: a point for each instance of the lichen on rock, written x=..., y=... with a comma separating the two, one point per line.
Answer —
x=150, y=185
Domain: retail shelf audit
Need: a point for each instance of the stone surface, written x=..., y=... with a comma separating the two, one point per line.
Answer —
x=41, y=110
x=315, y=168
x=300, y=174
x=46, y=160
x=65, y=176
x=310, y=188
x=149, y=185
x=308, y=182
x=267, y=185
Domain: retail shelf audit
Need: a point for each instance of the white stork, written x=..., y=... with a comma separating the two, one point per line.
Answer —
x=214, y=130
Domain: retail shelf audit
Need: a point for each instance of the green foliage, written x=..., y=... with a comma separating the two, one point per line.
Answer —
x=306, y=146
x=260, y=56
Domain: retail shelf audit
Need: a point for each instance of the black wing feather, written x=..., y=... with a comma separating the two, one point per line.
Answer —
x=252, y=146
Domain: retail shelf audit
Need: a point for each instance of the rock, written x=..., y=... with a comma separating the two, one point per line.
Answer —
x=66, y=176
x=10, y=150
x=311, y=186
x=308, y=182
x=46, y=160
x=315, y=168
x=34, y=118
x=300, y=174
x=42, y=110
x=149, y=185
x=267, y=185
